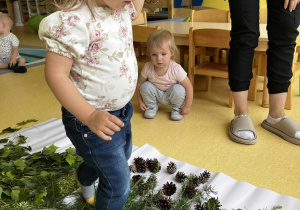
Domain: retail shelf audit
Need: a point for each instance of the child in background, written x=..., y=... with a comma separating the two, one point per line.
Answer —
x=92, y=70
x=163, y=80
x=9, y=56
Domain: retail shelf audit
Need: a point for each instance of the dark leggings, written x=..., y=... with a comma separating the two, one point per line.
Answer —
x=282, y=32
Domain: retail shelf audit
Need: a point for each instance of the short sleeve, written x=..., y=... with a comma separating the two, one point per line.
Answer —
x=14, y=40
x=131, y=10
x=181, y=73
x=65, y=34
x=145, y=70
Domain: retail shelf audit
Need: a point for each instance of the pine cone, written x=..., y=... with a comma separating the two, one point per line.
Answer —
x=132, y=168
x=180, y=177
x=169, y=189
x=153, y=165
x=214, y=202
x=165, y=203
x=204, y=177
x=200, y=207
x=171, y=168
x=190, y=191
x=140, y=164
x=159, y=195
x=196, y=180
x=136, y=178
x=143, y=187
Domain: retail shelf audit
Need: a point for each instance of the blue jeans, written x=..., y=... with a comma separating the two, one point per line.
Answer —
x=106, y=160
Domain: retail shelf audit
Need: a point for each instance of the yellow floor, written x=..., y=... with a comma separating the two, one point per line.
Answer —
x=200, y=139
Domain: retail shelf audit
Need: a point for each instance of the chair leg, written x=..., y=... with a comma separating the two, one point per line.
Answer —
x=208, y=83
x=182, y=57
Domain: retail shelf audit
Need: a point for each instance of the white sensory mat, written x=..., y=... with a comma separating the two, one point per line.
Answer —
x=232, y=194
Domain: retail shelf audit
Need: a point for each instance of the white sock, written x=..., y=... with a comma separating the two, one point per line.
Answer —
x=273, y=121
x=244, y=134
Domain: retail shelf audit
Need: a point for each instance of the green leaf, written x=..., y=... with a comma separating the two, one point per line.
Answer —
x=53, y=148
x=6, y=154
x=44, y=174
x=22, y=139
x=57, y=157
x=1, y=190
x=5, y=140
x=11, y=175
x=9, y=130
x=19, y=162
x=26, y=122
x=30, y=185
x=38, y=198
x=70, y=159
x=70, y=150
x=23, y=195
x=46, y=151
x=7, y=192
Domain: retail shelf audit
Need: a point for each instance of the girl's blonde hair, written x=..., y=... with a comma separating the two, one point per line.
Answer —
x=71, y=5
x=160, y=37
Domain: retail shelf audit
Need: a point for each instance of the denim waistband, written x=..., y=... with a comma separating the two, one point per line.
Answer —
x=121, y=113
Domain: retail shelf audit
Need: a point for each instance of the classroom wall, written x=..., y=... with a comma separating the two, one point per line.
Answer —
x=223, y=4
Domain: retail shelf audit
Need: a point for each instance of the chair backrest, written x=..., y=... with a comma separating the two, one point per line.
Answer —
x=216, y=38
x=263, y=16
x=141, y=20
x=153, y=5
x=141, y=33
x=181, y=13
x=210, y=15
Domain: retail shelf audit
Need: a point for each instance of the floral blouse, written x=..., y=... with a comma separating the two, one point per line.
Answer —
x=104, y=66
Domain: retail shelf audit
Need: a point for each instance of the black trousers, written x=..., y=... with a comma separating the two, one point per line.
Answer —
x=282, y=32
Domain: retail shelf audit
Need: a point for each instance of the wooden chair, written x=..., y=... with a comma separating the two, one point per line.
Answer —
x=210, y=15
x=181, y=13
x=263, y=16
x=153, y=5
x=215, y=38
x=140, y=36
x=141, y=20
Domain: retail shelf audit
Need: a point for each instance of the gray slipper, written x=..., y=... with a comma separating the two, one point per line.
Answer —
x=286, y=129
x=242, y=123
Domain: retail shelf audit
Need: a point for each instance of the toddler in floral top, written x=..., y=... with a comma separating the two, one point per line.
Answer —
x=91, y=68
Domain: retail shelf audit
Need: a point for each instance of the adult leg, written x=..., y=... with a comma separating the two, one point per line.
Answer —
x=282, y=30
x=244, y=39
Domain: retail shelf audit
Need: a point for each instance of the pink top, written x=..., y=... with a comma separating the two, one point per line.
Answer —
x=175, y=74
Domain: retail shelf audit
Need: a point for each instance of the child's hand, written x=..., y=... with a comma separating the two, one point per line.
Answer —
x=104, y=124
x=142, y=106
x=184, y=110
x=12, y=62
